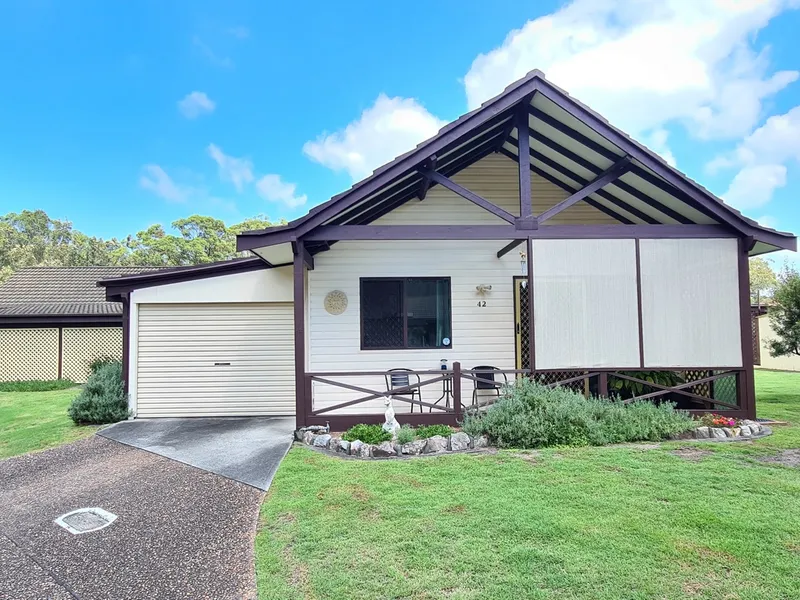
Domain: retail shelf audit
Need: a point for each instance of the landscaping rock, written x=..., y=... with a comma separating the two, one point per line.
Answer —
x=459, y=441
x=702, y=433
x=333, y=444
x=480, y=442
x=717, y=433
x=308, y=437
x=383, y=449
x=745, y=431
x=737, y=431
x=322, y=441
x=355, y=447
x=365, y=451
x=755, y=428
x=435, y=444
x=728, y=431
x=343, y=447
x=413, y=448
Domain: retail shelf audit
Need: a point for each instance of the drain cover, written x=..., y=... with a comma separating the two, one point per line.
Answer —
x=85, y=520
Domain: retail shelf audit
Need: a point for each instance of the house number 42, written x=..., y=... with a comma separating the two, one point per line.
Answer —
x=482, y=303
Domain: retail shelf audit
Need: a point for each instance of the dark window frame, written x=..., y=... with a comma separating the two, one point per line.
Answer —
x=405, y=345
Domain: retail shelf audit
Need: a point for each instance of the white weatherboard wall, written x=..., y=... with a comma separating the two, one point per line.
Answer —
x=585, y=303
x=690, y=303
x=255, y=300
x=480, y=335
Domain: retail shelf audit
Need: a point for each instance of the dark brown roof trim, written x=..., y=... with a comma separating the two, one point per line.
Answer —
x=117, y=287
x=61, y=321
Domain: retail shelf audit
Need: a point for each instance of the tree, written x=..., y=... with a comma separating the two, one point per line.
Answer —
x=762, y=279
x=784, y=314
x=32, y=238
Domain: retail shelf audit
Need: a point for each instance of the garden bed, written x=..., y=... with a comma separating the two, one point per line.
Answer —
x=457, y=441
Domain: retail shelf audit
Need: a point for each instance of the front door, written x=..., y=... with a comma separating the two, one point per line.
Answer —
x=521, y=318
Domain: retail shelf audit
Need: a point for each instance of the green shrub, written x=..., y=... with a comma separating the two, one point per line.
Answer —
x=101, y=362
x=38, y=385
x=369, y=434
x=530, y=415
x=102, y=399
x=406, y=434
x=427, y=431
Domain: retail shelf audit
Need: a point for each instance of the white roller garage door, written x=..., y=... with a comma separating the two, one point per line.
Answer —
x=215, y=360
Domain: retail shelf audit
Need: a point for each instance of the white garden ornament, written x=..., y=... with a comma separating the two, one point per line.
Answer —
x=391, y=425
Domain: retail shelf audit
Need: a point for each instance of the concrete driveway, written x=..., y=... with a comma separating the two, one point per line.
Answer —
x=180, y=532
x=245, y=449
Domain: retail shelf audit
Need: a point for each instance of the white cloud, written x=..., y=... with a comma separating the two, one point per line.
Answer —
x=390, y=127
x=156, y=180
x=753, y=186
x=273, y=189
x=195, y=104
x=761, y=158
x=645, y=63
x=657, y=142
x=238, y=171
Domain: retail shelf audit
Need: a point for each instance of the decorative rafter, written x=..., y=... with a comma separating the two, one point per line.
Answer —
x=612, y=174
x=467, y=194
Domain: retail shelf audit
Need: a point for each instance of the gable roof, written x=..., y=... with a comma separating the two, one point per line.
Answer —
x=570, y=144
x=54, y=292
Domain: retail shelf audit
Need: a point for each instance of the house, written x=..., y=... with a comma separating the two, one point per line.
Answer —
x=54, y=322
x=762, y=333
x=530, y=236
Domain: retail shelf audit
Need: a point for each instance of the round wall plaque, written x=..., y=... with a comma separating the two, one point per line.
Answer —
x=335, y=302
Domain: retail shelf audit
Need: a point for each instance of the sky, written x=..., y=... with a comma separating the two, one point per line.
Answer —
x=119, y=115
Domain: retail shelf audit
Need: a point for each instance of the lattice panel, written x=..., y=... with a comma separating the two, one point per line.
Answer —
x=756, y=337
x=702, y=389
x=725, y=389
x=83, y=345
x=523, y=322
x=549, y=377
x=28, y=354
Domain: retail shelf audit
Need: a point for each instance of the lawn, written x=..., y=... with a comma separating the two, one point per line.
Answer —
x=605, y=523
x=37, y=420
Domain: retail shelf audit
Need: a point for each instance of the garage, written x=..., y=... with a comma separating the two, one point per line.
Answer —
x=215, y=360
x=214, y=340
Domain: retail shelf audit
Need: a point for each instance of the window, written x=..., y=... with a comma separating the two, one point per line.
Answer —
x=405, y=313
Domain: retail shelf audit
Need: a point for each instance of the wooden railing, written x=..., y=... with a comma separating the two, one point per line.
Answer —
x=455, y=398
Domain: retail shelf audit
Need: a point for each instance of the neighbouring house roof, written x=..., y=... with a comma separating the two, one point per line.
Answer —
x=116, y=285
x=41, y=294
x=570, y=144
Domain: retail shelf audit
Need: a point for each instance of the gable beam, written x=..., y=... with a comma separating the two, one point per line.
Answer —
x=451, y=185
x=426, y=183
x=526, y=218
x=567, y=188
x=612, y=174
x=510, y=232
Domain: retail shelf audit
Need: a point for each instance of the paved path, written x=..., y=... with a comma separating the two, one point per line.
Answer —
x=180, y=532
x=245, y=449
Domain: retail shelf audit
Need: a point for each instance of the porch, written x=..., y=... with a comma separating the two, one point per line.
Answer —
x=446, y=395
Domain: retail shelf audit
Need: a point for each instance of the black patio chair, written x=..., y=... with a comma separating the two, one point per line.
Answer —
x=487, y=380
x=400, y=378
